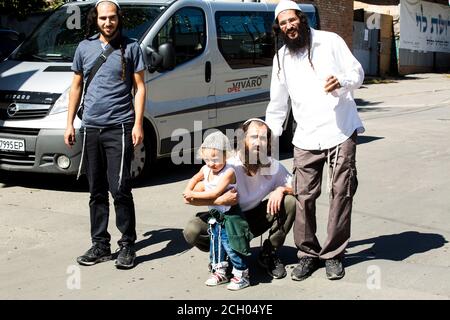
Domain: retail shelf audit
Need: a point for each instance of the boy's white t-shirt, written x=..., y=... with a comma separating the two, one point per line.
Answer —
x=253, y=189
x=209, y=185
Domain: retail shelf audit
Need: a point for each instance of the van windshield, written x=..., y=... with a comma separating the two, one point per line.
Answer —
x=57, y=38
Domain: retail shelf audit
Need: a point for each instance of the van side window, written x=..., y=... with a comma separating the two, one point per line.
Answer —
x=245, y=38
x=186, y=30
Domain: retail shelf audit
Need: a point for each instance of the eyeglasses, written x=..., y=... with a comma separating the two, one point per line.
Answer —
x=283, y=24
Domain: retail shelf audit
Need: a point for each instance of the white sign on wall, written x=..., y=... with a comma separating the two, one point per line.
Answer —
x=424, y=26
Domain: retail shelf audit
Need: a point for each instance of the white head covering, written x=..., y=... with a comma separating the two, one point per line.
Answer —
x=113, y=1
x=257, y=120
x=286, y=5
x=216, y=140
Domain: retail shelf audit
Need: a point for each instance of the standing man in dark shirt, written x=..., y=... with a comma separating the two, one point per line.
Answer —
x=111, y=127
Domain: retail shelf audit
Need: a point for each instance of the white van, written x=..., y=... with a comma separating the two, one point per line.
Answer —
x=207, y=61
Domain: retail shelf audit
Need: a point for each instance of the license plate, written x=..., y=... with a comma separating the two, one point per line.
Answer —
x=17, y=145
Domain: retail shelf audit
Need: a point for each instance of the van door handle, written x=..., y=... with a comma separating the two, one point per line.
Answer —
x=208, y=71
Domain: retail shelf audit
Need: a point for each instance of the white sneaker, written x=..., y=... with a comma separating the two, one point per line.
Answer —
x=238, y=283
x=216, y=278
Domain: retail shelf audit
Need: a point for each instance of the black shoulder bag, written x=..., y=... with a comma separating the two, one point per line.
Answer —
x=98, y=63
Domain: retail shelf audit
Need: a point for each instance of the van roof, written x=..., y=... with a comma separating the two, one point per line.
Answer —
x=162, y=2
x=222, y=4
x=304, y=7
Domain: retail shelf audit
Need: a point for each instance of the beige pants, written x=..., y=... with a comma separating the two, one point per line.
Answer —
x=308, y=169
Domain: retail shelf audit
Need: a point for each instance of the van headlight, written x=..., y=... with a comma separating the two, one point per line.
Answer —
x=62, y=104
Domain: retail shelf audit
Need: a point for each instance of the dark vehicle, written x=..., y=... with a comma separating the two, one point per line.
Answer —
x=9, y=40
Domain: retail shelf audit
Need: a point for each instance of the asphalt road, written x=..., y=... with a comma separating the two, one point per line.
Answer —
x=400, y=223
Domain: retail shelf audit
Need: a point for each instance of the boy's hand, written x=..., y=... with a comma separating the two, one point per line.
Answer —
x=187, y=194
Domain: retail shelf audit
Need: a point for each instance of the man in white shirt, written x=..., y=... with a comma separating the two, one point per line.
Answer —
x=319, y=73
x=257, y=176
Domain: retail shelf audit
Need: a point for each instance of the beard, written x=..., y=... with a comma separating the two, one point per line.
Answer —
x=255, y=159
x=107, y=36
x=299, y=43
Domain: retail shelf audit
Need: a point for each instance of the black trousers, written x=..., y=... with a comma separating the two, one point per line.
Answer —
x=107, y=160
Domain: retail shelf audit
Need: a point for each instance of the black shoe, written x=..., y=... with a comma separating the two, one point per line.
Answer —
x=306, y=266
x=97, y=253
x=270, y=261
x=126, y=257
x=334, y=268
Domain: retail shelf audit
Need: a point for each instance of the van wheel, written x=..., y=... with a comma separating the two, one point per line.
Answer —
x=138, y=161
x=143, y=159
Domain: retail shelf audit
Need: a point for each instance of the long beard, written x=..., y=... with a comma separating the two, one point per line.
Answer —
x=298, y=44
x=255, y=160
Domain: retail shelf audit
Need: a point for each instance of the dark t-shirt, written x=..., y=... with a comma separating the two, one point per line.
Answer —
x=108, y=100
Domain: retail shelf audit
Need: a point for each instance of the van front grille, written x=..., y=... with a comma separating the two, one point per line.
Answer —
x=17, y=159
x=21, y=111
x=20, y=131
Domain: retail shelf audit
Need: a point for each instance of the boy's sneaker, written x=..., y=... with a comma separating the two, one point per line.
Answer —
x=126, y=257
x=216, y=278
x=238, y=283
x=97, y=253
x=270, y=261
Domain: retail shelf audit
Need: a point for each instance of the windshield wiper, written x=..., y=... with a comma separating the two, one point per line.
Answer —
x=36, y=56
x=52, y=57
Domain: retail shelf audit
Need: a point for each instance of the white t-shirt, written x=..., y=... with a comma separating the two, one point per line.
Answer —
x=253, y=189
x=209, y=185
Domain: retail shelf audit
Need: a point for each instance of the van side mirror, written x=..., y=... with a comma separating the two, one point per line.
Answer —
x=154, y=58
x=163, y=59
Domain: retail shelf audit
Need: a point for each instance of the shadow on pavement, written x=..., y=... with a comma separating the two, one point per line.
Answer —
x=362, y=103
x=394, y=247
x=362, y=139
x=44, y=181
x=369, y=80
x=373, y=109
x=176, y=244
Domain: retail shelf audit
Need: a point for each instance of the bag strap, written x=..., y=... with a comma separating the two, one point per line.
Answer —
x=97, y=64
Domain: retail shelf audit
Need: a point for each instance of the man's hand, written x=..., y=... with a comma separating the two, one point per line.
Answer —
x=229, y=198
x=331, y=84
x=137, y=134
x=69, y=136
x=275, y=199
